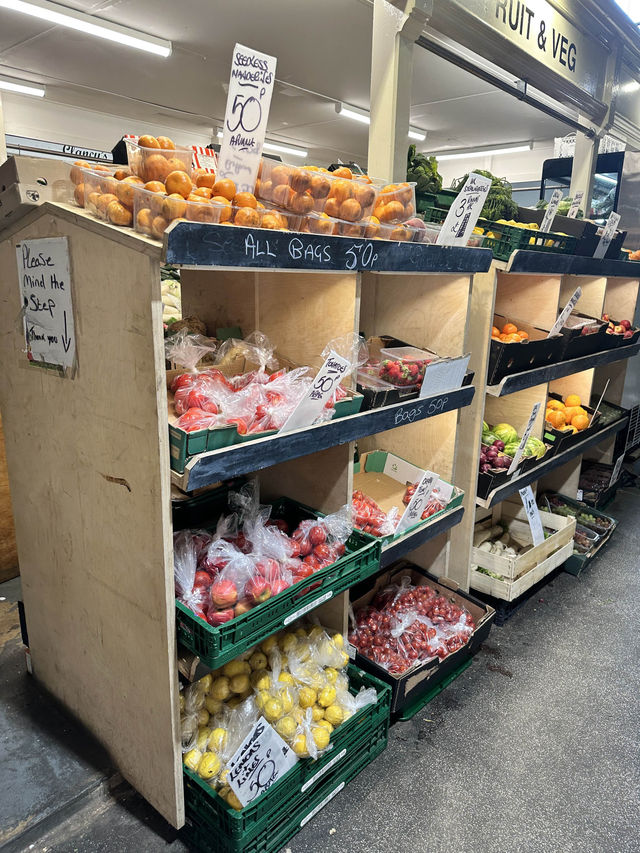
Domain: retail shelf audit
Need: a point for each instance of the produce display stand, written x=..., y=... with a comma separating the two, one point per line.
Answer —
x=88, y=456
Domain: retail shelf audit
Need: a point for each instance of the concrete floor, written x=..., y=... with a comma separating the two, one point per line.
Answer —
x=534, y=749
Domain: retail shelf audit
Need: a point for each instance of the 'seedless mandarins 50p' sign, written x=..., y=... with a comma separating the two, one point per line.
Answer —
x=245, y=120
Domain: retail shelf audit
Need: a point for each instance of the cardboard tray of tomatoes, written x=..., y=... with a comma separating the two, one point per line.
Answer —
x=217, y=645
x=508, y=358
x=408, y=687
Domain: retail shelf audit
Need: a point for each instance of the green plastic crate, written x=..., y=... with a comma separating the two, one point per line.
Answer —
x=434, y=214
x=216, y=646
x=509, y=238
x=265, y=825
x=369, y=725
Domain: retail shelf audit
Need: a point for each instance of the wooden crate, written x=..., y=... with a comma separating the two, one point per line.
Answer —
x=509, y=590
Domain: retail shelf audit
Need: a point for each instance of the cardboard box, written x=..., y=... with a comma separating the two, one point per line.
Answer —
x=35, y=171
x=19, y=199
x=384, y=477
x=506, y=359
x=415, y=682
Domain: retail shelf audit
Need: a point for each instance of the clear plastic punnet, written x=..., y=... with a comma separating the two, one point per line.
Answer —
x=154, y=164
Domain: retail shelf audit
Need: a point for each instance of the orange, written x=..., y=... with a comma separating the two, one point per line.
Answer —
x=343, y=172
x=365, y=195
x=264, y=189
x=340, y=190
x=92, y=200
x=178, y=182
x=348, y=230
x=222, y=209
x=280, y=175
x=552, y=403
x=155, y=187
x=301, y=203
x=319, y=187
x=300, y=181
x=350, y=210
x=404, y=194
x=225, y=187
x=155, y=168
x=99, y=168
x=332, y=207
x=372, y=228
x=118, y=214
x=509, y=329
x=175, y=164
x=400, y=232
x=495, y=331
x=201, y=212
x=148, y=141
x=144, y=220
x=282, y=194
x=78, y=194
x=580, y=422
x=409, y=210
x=247, y=216
x=392, y=212
x=104, y=201
x=108, y=185
x=524, y=336
x=125, y=190
x=121, y=173
x=76, y=171
x=245, y=200
x=570, y=413
x=207, y=179
x=513, y=338
x=173, y=206
x=556, y=419
x=390, y=188
x=572, y=400
x=165, y=142
x=202, y=192
x=158, y=226
x=320, y=225
x=271, y=221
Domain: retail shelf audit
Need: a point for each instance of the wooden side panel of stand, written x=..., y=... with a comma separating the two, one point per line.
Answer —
x=533, y=298
x=88, y=466
x=564, y=479
x=515, y=409
x=8, y=551
x=593, y=292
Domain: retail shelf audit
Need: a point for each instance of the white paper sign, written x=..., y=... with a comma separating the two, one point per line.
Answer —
x=617, y=468
x=245, y=120
x=444, y=375
x=575, y=204
x=523, y=440
x=419, y=499
x=533, y=515
x=566, y=311
x=327, y=380
x=579, y=495
x=597, y=408
x=464, y=212
x=551, y=210
x=45, y=290
x=607, y=235
x=260, y=760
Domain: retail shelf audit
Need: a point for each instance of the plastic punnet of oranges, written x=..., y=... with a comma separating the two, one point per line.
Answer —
x=567, y=415
x=395, y=203
x=509, y=334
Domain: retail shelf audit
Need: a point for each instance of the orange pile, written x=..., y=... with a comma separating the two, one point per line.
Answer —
x=510, y=334
x=568, y=416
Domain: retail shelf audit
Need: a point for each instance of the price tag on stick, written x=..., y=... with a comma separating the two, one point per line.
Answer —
x=523, y=440
x=419, y=499
x=617, y=468
x=327, y=380
x=562, y=317
x=575, y=204
x=551, y=210
x=465, y=212
x=595, y=411
x=607, y=235
x=260, y=760
x=533, y=515
x=245, y=120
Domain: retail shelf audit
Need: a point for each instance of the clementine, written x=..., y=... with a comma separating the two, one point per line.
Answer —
x=247, y=216
x=300, y=181
x=301, y=203
x=319, y=187
x=118, y=214
x=178, y=182
x=509, y=329
x=350, y=210
x=158, y=226
x=224, y=187
x=148, y=141
x=245, y=200
x=580, y=422
x=78, y=194
x=155, y=187
x=572, y=400
x=343, y=172
x=173, y=206
x=341, y=190
x=144, y=220
x=165, y=142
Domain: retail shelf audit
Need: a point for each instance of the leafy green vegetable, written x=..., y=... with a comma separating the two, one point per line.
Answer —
x=499, y=203
x=424, y=171
x=563, y=207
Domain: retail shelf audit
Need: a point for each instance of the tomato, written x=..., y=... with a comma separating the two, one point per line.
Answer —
x=241, y=425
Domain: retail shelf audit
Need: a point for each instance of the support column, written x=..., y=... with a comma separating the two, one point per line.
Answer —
x=395, y=30
x=584, y=168
x=3, y=141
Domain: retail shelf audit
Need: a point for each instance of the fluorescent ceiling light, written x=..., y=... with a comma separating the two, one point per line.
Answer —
x=363, y=116
x=631, y=86
x=21, y=87
x=62, y=16
x=606, y=179
x=488, y=152
x=276, y=146
x=416, y=133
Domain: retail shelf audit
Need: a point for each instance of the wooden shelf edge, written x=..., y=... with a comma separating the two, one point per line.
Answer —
x=215, y=465
x=525, y=261
x=538, y=375
x=503, y=492
x=393, y=551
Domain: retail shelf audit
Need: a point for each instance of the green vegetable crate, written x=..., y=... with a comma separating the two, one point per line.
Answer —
x=266, y=824
x=216, y=646
x=508, y=239
x=183, y=445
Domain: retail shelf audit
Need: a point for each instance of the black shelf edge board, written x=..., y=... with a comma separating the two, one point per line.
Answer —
x=395, y=550
x=215, y=465
x=197, y=244
x=503, y=492
x=529, y=378
x=550, y=263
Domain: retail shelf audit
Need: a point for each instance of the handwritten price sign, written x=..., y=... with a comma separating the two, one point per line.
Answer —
x=245, y=121
x=464, y=212
x=413, y=512
x=260, y=760
x=327, y=380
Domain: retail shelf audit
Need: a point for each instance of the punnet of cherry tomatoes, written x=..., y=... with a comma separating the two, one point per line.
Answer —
x=406, y=625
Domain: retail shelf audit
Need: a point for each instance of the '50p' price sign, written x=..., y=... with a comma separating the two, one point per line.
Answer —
x=464, y=212
x=322, y=389
x=245, y=120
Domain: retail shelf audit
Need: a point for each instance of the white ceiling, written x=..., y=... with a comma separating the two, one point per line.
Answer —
x=323, y=51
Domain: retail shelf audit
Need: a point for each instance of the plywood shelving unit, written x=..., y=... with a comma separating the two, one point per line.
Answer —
x=88, y=457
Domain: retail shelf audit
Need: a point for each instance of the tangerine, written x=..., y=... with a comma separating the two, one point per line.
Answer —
x=201, y=212
x=390, y=188
x=557, y=419
x=392, y=212
x=148, y=141
x=121, y=173
x=125, y=190
x=281, y=194
x=76, y=171
x=165, y=142
x=495, y=331
x=341, y=190
x=175, y=164
x=400, y=232
x=155, y=168
x=247, y=216
x=372, y=228
x=118, y=214
x=92, y=200
x=552, y=403
x=350, y=210
x=222, y=209
x=158, y=226
x=343, y=172
x=104, y=201
x=572, y=400
x=580, y=422
x=206, y=179
x=365, y=195
x=280, y=175
x=203, y=192
x=173, y=206
x=509, y=329
x=348, y=230
x=78, y=194
x=155, y=187
x=301, y=203
x=320, y=224
x=178, y=182
x=300, y=181
x=332, y=207
x=245, y=200
x=404, y=194
x=224, y=187
x=319, y=187
x=264, y=189
x=144, y=220
x=271, y=221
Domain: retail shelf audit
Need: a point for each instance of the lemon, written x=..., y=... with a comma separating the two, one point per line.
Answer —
x=220, y=689
x=203, y=717
x=261, y=679
x=272, y=710
x=331, y=674
x=287, y=678
x=236, y=667
x=301, y=633
x=213, y=706
x=303, y=651
x=338, y=641
x=217, y=739
x=334, y=714
x=240, y=684
x=209, y=766
x=233, y=801
x=269, y=644
x=288, y=643
x=262, y=698
x=224, y=792
x=233, y=703
x=307, y=697
x=326, y=724
x=191, y=759
x=286, y=727
x=258, y=660
x=344, y=660
x=223, y=776
x=321, y=736
x=286, y=697
x=206, y=682
x=181, y=704
x=327, y=696
x=203, y=738
x=317, y=713
x=299, y=745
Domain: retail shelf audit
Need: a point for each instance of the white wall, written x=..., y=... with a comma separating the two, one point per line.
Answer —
x=521, y=166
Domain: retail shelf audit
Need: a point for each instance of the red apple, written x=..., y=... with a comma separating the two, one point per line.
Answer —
x=628, y=334
x=219, y=617
x=625, y=324
x=202, y=580
x=241, y=607
x=257, y=590
x=268, y=568
x=605, y=317
x=279, y=585
x=224, y=593
x=609, y=330
x=618, y=330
